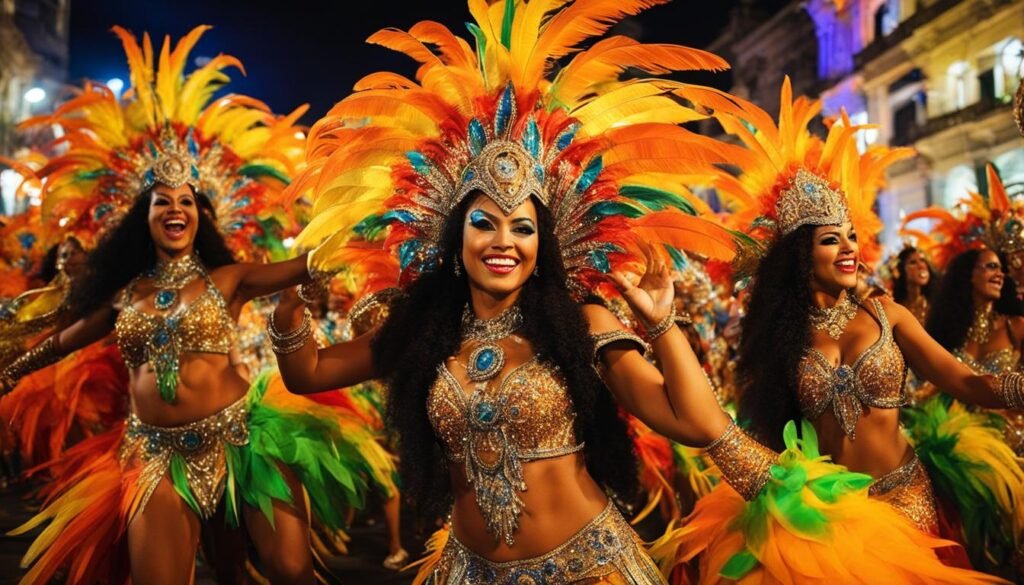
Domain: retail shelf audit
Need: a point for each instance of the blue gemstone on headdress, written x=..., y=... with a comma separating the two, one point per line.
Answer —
x=153, y=151
x=484, y=360
x=150, y=178
x=195, y=172
x=407, y=253
x=477, y=137
x=485, y=412
x=531, y=138
x=101, y=210
x=538, y=171
x=470, y=174
x=810, y=189
x=600, y=261
x=503, y=117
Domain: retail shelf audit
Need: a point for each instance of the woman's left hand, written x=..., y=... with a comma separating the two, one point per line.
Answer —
x=651, y=299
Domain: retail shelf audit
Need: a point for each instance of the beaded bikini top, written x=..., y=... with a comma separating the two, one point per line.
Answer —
x=204, y=325
x=995, y=362
x=874, y=380
x=493, y=431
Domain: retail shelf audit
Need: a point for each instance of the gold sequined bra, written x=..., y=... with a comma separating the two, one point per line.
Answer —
x=874, y=380
x=497, y=428
x=204, y=325
x=995, y=362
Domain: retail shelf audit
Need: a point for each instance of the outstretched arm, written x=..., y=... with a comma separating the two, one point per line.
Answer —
x=79, y=334
x=933, y=363
x=306, y=369
x=241, y=283
x=677, y=401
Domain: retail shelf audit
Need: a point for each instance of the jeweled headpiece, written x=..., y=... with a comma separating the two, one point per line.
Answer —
x=789, y=177
x=809, y=200
x=991, y=221
x=169, y=129
x=606, y=156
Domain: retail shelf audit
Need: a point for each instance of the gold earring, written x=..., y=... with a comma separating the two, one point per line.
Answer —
x=455, y=266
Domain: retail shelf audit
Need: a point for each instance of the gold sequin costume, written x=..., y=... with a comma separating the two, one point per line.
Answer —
x=605, y=551
x=995, y=363
x=496, y=430
x=874, y=380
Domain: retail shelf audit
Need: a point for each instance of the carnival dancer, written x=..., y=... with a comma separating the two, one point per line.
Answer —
x=913, y=282
x=507, y=199
x=199, y=440
x=811, y=350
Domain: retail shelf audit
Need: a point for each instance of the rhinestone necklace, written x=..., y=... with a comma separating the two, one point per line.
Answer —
x=983, y=324
x=488, y=358
x=170, y=276
x=833, y=320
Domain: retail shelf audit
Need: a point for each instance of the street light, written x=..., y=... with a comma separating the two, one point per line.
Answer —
x=116, y=84
x=35, y=95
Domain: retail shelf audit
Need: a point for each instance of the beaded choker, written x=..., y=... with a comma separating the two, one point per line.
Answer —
x=983, y=324
x=488, y=358
x=833, y=320
x=170, y=276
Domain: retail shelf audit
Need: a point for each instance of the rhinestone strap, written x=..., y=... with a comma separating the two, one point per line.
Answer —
x=605, y=338
x=37, y=358
x=291, y=341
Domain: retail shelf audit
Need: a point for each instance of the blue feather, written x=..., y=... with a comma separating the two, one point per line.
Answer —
x=503, y=117
x=399, y=215
x=477, y=137
x=419, y=162
x=538, y=171
x=531, y=138
x=407, y=252
x=589, y=175
x=193, y=148
x=566, y=137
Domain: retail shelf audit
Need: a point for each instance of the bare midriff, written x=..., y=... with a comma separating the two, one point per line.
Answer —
x=207, y=384
x=561, y=499
x=879, y=448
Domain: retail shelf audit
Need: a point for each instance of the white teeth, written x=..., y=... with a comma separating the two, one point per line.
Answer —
x=500, y=262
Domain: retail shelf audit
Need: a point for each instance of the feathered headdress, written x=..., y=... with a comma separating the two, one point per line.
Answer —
x=977, y=222
x=165, y=129
x=788, y=177
x=605, y=155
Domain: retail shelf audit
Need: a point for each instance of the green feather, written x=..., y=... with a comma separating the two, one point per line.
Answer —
x=255, y=171
x=481, y=46
x=506, y=23
x=179, y=479
x=739, y=565
x=656, y=199
x=603, y=209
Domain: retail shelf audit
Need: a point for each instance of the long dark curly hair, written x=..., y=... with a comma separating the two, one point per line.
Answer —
x=127, y=250
x=899, y=284
x=775, y=335
x=953, y=306
x=422, y=331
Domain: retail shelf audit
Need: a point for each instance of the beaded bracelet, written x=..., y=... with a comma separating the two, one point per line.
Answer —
x=661, y=327
x=291, y=341
x=1010, y=389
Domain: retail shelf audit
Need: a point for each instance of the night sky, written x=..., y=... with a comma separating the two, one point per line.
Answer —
x=313, y=51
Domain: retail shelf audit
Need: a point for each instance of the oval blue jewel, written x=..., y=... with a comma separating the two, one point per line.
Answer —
x=161, y=337
x=485, y=412
x=485, y=360
x=191, y=440
x=164, y=298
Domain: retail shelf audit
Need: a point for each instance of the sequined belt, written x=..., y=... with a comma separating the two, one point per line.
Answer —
x=908, y=490
x=902, y=476
x=605, y=546
x=198, y=445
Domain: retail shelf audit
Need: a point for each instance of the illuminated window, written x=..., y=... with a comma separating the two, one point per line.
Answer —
x=1008, y=69
x=959, y=182
x=959, y=75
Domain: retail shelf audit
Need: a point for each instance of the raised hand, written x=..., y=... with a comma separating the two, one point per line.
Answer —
x=651, y=298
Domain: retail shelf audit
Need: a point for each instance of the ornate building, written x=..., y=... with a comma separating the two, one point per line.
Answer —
x=938, y=75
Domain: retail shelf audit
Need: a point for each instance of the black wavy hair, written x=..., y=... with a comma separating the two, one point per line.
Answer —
x=953, y=306
x=422, y=331
x=127, y=250
x=899, y=284
x=775, y=335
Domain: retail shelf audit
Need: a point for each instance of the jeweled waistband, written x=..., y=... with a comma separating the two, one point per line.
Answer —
x=198, y=445
x=605, y=545
x=902, y=476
